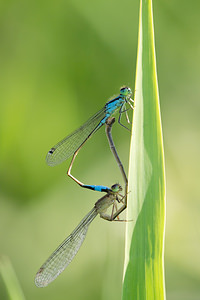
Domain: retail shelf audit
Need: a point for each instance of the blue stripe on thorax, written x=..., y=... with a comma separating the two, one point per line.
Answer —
x=111, y=107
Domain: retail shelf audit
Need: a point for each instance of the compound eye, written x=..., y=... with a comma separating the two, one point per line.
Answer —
x=125, y=91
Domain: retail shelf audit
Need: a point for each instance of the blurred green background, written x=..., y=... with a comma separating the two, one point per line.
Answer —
x=60, y=61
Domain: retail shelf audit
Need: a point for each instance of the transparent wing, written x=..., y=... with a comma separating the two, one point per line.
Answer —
x=65, y=148
x=65, y=253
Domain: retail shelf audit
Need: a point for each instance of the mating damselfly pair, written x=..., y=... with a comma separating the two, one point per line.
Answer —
x=71, y=145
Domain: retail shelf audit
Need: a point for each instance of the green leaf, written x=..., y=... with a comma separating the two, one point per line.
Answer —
x=144, y=266
x=10, y=279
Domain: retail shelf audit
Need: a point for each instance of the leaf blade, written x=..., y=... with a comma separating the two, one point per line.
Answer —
x=144, y=267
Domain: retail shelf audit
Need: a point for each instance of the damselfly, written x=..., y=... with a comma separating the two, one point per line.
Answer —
x=65, y=253
x=71, y=144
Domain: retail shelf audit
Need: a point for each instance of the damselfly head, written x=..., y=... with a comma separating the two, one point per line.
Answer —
x=125, y=91
x=116, y=188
